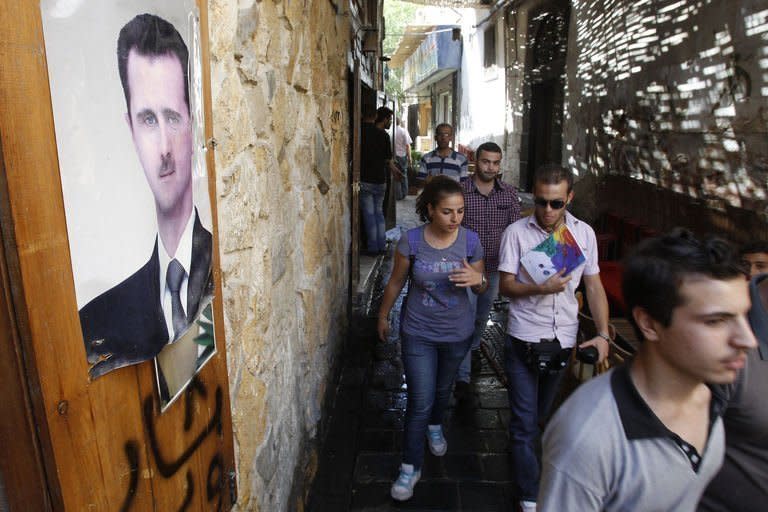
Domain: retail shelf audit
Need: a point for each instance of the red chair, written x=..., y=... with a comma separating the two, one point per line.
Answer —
x=646, y=232
x=611, y=275
x=611, y=223
x=630, y=235
x=608, y=236
x=606, y=246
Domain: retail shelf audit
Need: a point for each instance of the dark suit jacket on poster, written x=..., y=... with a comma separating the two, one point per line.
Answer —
x=125, y=324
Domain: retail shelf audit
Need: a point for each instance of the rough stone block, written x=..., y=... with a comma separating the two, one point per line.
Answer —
x=282, y=185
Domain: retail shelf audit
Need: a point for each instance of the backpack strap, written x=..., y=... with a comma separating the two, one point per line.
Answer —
x=472, y=240
x=414, y=240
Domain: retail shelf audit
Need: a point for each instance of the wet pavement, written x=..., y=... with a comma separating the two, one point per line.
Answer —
x=361, y=453
x=473, y=475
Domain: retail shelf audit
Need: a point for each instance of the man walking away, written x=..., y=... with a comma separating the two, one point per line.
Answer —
x=375, y=162
x=402, y=156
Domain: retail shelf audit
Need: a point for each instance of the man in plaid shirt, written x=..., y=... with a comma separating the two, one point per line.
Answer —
x=490, y=205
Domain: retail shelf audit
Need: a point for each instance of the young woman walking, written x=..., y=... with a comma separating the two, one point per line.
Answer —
x=445, y=264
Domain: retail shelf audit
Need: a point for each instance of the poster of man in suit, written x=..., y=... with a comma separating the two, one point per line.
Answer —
x=134, y=182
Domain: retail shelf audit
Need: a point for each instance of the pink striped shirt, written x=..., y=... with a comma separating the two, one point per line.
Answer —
x=550, y=316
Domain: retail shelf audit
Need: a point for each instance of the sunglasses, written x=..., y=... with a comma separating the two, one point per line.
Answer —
x=555, y=204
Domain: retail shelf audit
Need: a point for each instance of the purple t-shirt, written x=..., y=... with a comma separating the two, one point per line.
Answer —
x=437, y=309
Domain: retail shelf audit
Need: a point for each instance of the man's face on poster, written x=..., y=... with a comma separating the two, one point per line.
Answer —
x=161, y=128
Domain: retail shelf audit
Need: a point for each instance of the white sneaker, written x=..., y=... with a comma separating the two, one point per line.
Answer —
x=528, y=506
x=402, y=489
x=437, y=443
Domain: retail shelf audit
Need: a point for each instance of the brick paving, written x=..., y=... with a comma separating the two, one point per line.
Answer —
x=473, y=475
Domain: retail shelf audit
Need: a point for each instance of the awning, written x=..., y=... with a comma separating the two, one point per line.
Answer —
x=409, y=41
x=437, y=54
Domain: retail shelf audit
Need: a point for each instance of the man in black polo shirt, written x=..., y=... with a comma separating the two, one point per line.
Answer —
x=648, y=435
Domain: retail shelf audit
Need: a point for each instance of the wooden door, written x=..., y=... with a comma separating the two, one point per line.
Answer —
x=23, y=483
x=82, y=444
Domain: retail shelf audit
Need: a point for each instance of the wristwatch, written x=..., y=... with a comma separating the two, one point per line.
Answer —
x=604, y=336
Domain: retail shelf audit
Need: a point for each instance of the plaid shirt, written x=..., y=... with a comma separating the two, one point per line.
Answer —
x=489, y=215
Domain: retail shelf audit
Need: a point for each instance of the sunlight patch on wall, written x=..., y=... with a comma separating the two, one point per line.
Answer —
x=695, y=119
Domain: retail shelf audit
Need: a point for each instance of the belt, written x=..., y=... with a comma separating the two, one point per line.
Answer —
x=542, y=340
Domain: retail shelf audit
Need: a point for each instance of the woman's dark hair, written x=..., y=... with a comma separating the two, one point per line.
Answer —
x=654, y=271
x=434, y=192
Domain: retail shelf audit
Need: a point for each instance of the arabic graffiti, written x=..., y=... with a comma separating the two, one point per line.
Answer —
x=167, y=465
x=131, y=449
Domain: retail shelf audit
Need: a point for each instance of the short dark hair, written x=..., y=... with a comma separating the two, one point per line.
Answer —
x=434, y=191
x=368, y=112
x=754, y=247
x=488, y=147
x=552, y=174
x=654, y=271
x=150, y=36
x=443, y=125
x=382, y=113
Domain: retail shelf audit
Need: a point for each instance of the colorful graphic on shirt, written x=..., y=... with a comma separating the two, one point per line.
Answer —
x=438, y=292
x=558, y=251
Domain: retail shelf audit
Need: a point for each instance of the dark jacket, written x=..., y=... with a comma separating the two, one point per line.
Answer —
x=125, y=324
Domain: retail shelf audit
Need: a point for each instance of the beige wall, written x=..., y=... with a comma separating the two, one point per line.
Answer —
x=280, y=119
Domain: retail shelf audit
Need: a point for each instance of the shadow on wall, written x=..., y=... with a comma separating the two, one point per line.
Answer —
x=677, y=99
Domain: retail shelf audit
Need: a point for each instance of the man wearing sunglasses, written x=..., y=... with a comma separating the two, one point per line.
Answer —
x=543, y=315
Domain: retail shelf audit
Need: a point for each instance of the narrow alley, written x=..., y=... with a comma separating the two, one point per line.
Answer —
x=189, y=277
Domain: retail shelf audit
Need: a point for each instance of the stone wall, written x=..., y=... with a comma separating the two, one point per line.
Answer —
x=279, y=81
x=671, y=93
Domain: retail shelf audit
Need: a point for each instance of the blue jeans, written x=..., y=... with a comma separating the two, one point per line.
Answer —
x=372, y=207
x=402, y=164
x=430, y=367
x=530, y=399
x=484, y=304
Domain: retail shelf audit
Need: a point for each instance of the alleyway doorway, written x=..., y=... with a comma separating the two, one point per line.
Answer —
x=543, y=89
